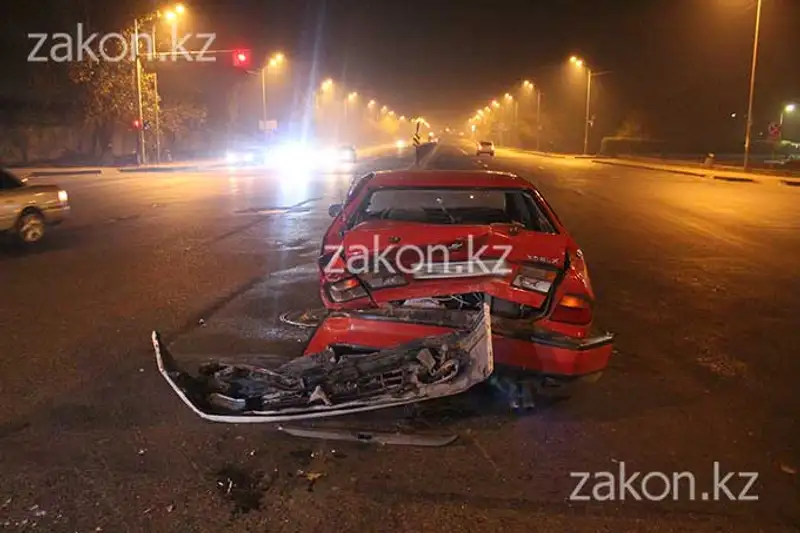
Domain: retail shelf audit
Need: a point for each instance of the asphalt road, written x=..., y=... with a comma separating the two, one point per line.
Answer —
x=697, y=277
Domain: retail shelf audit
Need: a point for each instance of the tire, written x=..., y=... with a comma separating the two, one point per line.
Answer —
x=30, y=228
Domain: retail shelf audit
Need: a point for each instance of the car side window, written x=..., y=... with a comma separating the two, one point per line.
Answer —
x=7, y=181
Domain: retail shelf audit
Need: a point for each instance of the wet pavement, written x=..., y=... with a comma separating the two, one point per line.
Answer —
x=697, y=277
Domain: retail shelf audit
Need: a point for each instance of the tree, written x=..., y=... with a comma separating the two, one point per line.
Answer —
x=632, y=127
x=179, y=117
x=110, y=97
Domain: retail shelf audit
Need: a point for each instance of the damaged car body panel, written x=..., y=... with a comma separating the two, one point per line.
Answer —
x=339, y=379
x=542, y=299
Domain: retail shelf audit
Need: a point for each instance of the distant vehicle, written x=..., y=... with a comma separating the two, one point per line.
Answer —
x=347, y=153
x=485, y=147
x=245, y=155
x=26, y=210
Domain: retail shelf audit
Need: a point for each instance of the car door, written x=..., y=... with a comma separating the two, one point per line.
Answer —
x=9, y=200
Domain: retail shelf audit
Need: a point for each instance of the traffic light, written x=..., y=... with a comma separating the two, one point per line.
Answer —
x=241, y=58
x=136, y=124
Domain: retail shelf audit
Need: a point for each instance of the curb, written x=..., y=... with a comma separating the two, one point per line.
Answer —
x=736, y=179
x=158, y=169
x=45, y=173
x=645, y=167
x=546, y=154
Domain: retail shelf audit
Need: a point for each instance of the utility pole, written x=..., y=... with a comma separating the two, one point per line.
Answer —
x=588, y=106
x=747, y=134
x=138, y=76
x=538, y=118
x=264, y=98
x=158, y=99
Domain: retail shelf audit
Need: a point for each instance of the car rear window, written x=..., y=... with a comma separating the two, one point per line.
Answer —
x=456, y=206
x=485, y=143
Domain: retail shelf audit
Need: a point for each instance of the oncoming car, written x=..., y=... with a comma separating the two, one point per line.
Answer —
x=426, y=246
x=485, y=147
x=27, y=210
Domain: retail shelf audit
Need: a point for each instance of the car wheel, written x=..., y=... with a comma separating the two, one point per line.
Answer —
x=30, y=227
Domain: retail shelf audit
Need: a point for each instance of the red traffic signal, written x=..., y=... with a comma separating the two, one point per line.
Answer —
x=241, y=58
x=137, y=125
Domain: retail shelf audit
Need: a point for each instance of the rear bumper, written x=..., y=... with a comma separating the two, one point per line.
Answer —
x=522, y=347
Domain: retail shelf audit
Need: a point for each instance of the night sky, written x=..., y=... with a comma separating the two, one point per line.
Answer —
x=684, y=64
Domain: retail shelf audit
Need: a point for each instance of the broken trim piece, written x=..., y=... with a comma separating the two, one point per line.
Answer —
x=376, y=437
x=476, y=342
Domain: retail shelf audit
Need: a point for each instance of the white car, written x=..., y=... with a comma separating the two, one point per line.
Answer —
x=26, y=210
x=485, y=147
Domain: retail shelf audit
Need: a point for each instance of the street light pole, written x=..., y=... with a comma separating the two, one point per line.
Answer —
x=588, y=107
x=158, y=99
x=748, y=131
x=138, y=76
x=264, y=98
x=538, y=118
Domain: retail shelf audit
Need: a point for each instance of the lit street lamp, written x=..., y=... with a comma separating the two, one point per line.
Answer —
x=790, y=108
x=580, y=63
x=327, y=85
x=275, y=61
x=528, y=86
x=171, y=15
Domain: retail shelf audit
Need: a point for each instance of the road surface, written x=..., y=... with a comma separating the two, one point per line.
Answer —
x=698, y=279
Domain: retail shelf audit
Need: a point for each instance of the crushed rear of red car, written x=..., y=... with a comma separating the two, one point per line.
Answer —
x=410, y=252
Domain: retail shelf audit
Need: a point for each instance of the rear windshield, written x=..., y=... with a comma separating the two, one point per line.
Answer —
x=456, y=206
x=486, y=143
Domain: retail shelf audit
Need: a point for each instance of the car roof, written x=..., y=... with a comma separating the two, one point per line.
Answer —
x=448, y=178
x=486, y=142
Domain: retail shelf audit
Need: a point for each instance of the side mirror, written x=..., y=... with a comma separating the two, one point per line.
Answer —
x=334, y=210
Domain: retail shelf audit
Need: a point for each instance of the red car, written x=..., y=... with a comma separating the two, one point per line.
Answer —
x=410, y=252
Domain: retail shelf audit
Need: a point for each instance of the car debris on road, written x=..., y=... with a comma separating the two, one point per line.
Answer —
x=337, y=380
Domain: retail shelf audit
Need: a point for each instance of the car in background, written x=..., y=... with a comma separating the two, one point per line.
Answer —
x=243, y=155
x=27, y=210
x=398, y=263
x=347, y=153
x=485, y=147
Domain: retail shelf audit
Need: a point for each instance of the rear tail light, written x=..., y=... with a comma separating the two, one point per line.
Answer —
x=383, y=280
x=572, y=309
x=346, y=290
x=535, y=279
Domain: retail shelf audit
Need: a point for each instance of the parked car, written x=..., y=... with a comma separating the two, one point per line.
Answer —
x=27, y=210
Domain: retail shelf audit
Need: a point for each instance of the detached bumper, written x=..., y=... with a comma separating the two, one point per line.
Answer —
x=337, y=377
